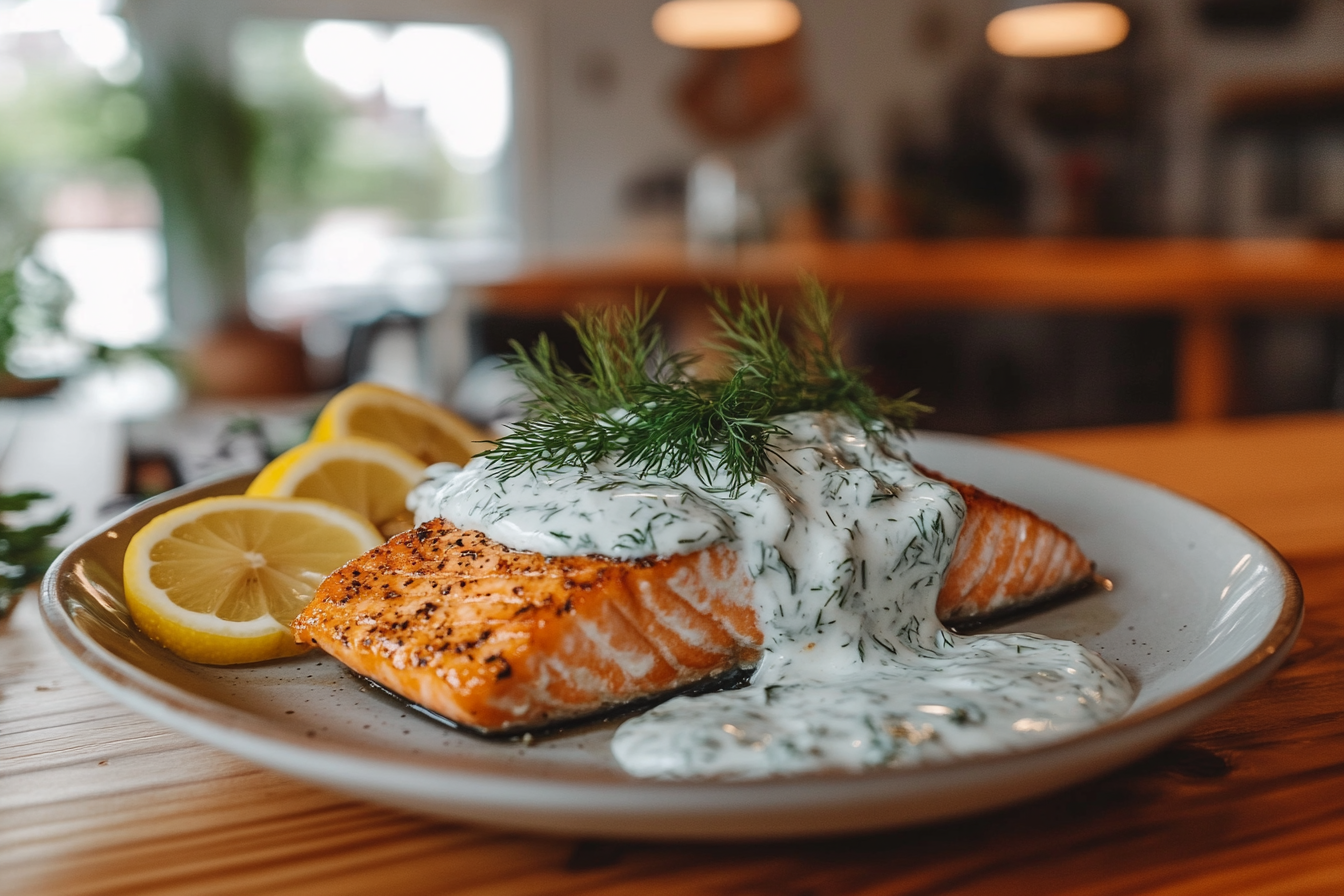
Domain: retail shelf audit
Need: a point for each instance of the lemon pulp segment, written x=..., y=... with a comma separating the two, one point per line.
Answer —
x=420, y=427
x=258, y=562
x=220, y=579
x=377, y=492
x=369, y=477
x=416, y=435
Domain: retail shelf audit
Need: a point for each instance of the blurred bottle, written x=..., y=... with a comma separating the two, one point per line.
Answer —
x=711, y=205
x=823, y=180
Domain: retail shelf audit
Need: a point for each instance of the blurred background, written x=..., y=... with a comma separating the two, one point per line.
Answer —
x=212, y=214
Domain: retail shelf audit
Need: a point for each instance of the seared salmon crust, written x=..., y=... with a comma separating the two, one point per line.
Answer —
x=497, y=639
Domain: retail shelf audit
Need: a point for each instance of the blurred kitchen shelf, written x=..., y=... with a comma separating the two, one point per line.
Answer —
x=1203, y=286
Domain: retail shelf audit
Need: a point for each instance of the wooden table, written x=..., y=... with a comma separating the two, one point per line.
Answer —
x=1203, y=282
x=95, y=799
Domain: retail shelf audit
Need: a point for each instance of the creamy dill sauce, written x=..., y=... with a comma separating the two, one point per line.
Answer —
x=847, y=545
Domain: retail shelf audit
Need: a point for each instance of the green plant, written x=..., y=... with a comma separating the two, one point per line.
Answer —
x=25, y=552
x=200, y=149
x=33, y=300
x=9, y=300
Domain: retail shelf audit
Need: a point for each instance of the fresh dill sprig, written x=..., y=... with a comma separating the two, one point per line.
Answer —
x=639, y=404
x=623, y=349
x=808, y=375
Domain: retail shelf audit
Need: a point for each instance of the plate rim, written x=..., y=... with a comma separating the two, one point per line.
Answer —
x=135, y=686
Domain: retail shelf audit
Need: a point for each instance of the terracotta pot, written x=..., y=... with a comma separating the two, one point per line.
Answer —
x=12, y=386
x=239, y=360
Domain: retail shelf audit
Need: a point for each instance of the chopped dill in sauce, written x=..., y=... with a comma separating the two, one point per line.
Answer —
x=798, y=467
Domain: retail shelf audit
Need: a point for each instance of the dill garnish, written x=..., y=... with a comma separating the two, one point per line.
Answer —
x=638, y=404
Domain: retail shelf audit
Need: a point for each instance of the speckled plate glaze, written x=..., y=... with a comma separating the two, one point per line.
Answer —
x=1202, y=610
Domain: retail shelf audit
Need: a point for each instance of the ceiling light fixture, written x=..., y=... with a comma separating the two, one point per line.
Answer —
x=1057, y=29
x=725, y=24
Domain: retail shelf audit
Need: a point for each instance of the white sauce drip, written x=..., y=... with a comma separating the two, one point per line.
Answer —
x=847, y=544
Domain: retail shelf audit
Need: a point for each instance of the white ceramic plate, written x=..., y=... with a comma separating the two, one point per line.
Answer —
x=1202, y=610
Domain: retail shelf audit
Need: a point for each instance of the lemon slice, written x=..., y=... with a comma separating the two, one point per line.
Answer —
x=413, y=424
x=371, y=478
x=219, y=580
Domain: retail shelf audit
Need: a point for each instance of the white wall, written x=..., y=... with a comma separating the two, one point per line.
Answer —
x=860, y=64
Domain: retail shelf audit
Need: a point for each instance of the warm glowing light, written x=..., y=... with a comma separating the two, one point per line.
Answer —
x=725, y=24
x=1057, y=29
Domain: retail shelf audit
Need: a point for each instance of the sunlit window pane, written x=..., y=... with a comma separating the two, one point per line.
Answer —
x=349, y=55
x=76, y=203
x=381, y=163
x=116, y=275
x=460, y=76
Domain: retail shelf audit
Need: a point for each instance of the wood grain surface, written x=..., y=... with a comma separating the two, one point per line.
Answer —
x=1281, y=476
x=1061, y=274
x=95, y=799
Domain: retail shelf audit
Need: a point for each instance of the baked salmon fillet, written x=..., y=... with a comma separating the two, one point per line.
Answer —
x=500, y=640
x=1006, y=559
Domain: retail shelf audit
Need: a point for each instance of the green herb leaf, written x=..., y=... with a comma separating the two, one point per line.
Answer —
x=639, y=405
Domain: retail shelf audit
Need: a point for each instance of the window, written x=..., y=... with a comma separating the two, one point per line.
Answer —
x=72, y=188
x=382, y=163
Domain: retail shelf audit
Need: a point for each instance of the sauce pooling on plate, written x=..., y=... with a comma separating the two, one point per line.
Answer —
x=847, y=544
